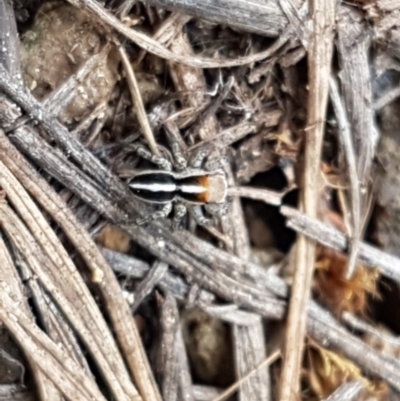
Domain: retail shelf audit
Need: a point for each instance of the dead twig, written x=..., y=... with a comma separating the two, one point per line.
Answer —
x=354, y=40
x=325, y=329
x=152, y=46
x=137, y=100
x=137, y=269
x=233, y=388
x=153, y=277
x=168, y=349
x=387, y=98
x=64, y=94
x=355, y=202
x=116, y=305
x=319, y=60
x=263, y=195
x=324, y=234
x=9, y=49
x=50, y=358
x=347, y=391
x=88, y=162
x=262, y=18
x=50, y=262
x=190, y=80
x=10, y=279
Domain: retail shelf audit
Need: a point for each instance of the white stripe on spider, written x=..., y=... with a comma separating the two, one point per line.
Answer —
x=154, y=187
x=192, y=189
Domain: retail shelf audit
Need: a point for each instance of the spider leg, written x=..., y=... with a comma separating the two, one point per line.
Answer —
x=217, y=163
x=197, y=160
x=180, y=211
x=159, y=214
x=160, y=161
x=197, y=213
x=180, y=161
x=217, y=209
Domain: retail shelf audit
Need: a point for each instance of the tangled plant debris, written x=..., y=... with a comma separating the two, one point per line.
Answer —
x=296, y=103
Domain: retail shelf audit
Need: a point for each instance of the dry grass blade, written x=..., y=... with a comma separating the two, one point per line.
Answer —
x=264, y=18
x=319, y=61
x=355, y=202
x=9, y=41
x=191, y=80
x=232, y=389
x=61, y=97
x=88, y=162
x=10, y=279
x=154, y=47
x=124, y=326
x=155, y=275
x=49, y=357
x=58, y=274
x=263, y=195
x=234, y=87
x=387, y=98
x=137, y=100
x=388, y=265
x=347, y=391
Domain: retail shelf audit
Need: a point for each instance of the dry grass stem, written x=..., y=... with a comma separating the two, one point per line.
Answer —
x=355, y=202
x=88, y=320
x=49, y=357
x=232, y=389
x=264, y=195
x=347, y=391
x=152, y=46
x=319, y=62
x=327, y=235
x=137, y=100
x=10, y=280
x=123, y=324
x=262, y=18
x=96, y=307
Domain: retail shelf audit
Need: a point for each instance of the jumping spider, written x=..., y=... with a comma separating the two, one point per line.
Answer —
x=189, y=188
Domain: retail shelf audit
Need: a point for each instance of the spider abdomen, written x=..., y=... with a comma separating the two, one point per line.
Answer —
x=198, y=187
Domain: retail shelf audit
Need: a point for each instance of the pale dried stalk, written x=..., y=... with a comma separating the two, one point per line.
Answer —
x=355, y=202
x=64, y=94
x=49, y=357
x=347, y=391
x=9, y=54
x=165, y=32
x=118, y=310
x=98, y=339
x=262, y=17
x=137, y=100
x=9, y=278
x=250, y=352
x=169, y=363
x=353, y=45
x=320, y=55
x=149, y=44
x=192, y=81
x=330, y=237
x=388, y=97
x=264, y=195
x=232, y=389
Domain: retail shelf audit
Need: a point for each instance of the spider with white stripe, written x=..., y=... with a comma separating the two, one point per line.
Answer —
x=186, y=190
